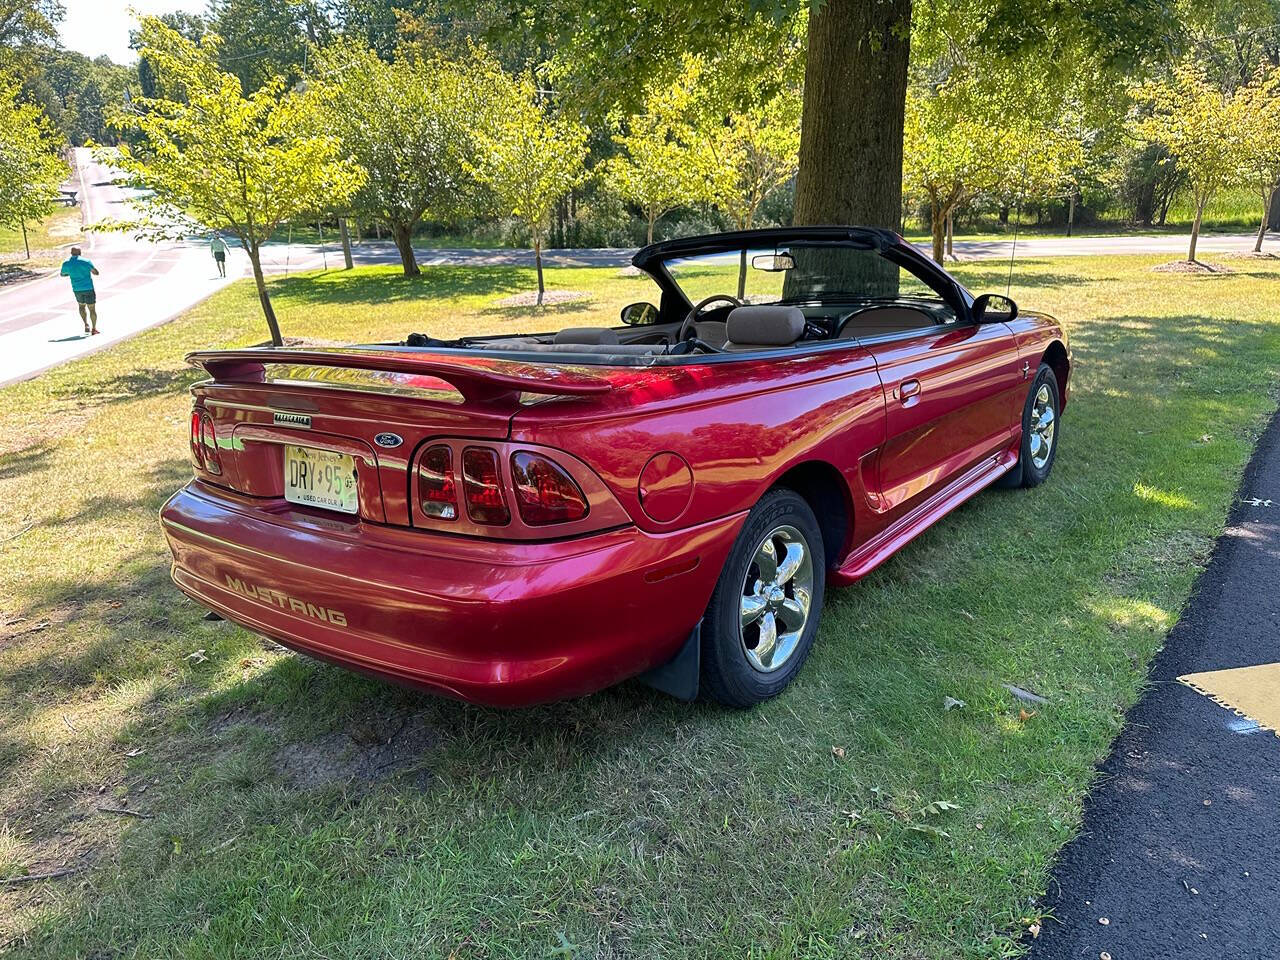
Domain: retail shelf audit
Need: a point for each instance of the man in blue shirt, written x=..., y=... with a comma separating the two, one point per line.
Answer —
x=82, y=272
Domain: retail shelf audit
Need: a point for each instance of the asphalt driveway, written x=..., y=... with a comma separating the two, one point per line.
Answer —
x=1180, y=852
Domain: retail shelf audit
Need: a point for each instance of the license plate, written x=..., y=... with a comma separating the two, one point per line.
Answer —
x=320, y=478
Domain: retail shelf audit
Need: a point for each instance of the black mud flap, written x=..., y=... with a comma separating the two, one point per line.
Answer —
x=680, y=675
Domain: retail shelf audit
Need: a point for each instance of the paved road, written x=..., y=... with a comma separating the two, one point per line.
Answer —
x=142, y=284
x=312, y=256
x=1180, y=850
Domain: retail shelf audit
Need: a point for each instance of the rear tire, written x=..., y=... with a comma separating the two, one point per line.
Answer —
x=764, y=613
x=1040, y=423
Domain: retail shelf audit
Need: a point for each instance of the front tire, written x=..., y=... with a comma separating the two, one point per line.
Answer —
x=764, y=613
x=1040, y=422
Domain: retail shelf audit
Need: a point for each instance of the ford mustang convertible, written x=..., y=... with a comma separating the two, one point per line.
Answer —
x=517, y=519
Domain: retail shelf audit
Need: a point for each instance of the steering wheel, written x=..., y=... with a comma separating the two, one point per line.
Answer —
x=692, y=316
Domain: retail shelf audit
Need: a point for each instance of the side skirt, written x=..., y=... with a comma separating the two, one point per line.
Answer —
x=680, y=676
x=910, y=525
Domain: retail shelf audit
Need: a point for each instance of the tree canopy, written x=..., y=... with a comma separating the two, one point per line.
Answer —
x=30, y=166
x=211, y=158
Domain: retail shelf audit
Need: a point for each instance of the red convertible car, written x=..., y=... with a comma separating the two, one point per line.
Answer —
x=518, y=519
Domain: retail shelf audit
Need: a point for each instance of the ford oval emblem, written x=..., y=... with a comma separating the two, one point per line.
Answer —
x=388, y=440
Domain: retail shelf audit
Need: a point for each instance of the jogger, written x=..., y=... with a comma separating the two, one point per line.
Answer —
x=82, y=272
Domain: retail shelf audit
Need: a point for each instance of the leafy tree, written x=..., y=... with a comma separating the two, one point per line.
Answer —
x=754, y=151
x=529, y=160
x=665, y=160
x=27, y=23
x=1257, y=108
x=856, y=70
x=946, y=155
x=219, y=160
x=265, y=39
x=409, y=124
x=30, y=166
x=1198, y=124
x=190, y=25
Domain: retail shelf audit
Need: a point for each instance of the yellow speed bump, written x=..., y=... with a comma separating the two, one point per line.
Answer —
x=1249, y=692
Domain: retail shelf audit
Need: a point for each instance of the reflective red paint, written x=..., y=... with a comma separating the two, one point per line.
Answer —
x=506, y=605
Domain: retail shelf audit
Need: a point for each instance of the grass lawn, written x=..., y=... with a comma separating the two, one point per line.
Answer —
x=289, y=808
x=48, y=239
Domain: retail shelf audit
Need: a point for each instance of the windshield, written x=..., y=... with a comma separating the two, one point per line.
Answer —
x=799, y=273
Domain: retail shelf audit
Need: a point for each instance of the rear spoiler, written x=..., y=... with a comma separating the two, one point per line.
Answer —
x=478, y=379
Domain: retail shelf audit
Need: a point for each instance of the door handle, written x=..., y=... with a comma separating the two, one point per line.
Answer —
x=908, y=389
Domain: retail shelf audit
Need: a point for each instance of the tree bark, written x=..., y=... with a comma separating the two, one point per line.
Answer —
x=1071, y=209
x=937, y=228
x=1004, y=215
x=346, y=243
x=951, y=234
x=742, y=273
x=263, y=297
x=1195, y=227
x=25, y=243
x=1273, y=217
x=402, y=233
x=855, y=90
x=1268, y=203
x=537, y=259
x=652, y=217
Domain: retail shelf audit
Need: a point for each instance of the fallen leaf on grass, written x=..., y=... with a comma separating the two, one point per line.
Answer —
x=1034, y=930
x=1024, y=715
x=938, y=807
x=135, y=752
x=951, y=703
x=837, y=752
x=197, y=656
x=967, y=615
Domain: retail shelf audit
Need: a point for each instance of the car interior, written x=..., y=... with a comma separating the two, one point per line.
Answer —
x=760, y=320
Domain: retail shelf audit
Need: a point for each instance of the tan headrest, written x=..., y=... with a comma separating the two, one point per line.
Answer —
x=765, y=325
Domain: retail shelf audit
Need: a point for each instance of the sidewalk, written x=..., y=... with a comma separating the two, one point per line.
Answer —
x=1180, y=850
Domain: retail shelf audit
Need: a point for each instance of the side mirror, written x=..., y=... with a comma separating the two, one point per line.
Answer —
x=994, y=308
x=640, y=314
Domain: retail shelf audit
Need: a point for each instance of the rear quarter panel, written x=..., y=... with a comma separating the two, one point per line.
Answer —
x=740, y=425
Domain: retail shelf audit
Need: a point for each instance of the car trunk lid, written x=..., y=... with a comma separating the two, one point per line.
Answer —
x=364, y=408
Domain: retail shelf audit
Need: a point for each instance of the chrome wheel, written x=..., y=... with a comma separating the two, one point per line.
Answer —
x=1043, y=425
x=776, y=598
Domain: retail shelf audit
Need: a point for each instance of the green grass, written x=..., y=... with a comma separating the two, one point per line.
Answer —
x=299, y=810
x=48, y=239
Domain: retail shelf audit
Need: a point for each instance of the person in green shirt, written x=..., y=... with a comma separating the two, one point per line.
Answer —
x=82, y=272
x=219, y=248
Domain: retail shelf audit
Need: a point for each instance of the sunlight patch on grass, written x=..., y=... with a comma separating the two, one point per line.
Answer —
x=1163, y=498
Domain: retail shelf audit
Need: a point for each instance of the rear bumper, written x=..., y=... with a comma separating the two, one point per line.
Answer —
x=500, y=623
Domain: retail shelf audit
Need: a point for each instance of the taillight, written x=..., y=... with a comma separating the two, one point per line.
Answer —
x=197, y=455
x=436, y=489
x=545, y=493
x=208, y=440
x=482, y=486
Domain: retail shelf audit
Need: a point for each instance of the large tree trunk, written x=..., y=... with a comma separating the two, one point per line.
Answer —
x=855, y=90
x=1273, y=216
x=403, y=235
x=652, y=217
x=263, y=297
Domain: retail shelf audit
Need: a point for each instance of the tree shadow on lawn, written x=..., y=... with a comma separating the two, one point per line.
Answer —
x=28, y=460
x=134, y=385
x=390, y=286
